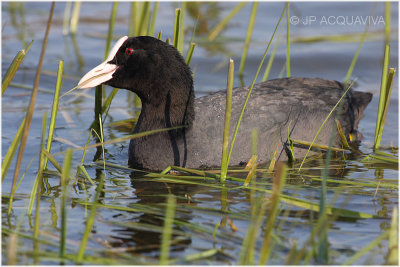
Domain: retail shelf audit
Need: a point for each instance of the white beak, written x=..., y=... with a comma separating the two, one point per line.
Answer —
x=102, y=72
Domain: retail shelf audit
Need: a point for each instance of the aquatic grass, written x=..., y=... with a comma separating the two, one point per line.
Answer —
x=91, y=220
x=272, y=163
x=228, y=107
x=31, y=108
x=196, y=256
x=133, y=17
x=358, y=184
x=309, y=205
x=387, y=22
x=367, y=248
x=54, y=109
x=315, y=146
x=251, y=166
x=98, y=102
x=153, y=18
x=75, y=18
x=252, y=85
x=218, y=28
x=177, y=29
x=393, y=255
x=271, y=58
x=102, y=145
x=355, y=57
x=287, y=41
x=252, y=19
x=384, y=97
x=167, y=230
x=52, y=160
x=277, y=186
x=342, y=136
x=63, y=204
x=326, y=119
x=289, y=146
x=190, y=53
x=182, y=27
x=67, y=13
x=81, y=168
x=122, y=139
x=37, y=182
x=142, y=20
x=246, y=256
x=13, y=68
x=374, y=159
x=39, y=178
x=11, y=151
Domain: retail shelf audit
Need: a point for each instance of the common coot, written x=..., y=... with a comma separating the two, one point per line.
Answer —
x=158, y=74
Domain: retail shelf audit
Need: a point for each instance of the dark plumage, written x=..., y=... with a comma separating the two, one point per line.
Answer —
x=157, y=73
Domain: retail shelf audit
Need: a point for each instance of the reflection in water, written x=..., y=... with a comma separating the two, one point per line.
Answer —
x=145, y=233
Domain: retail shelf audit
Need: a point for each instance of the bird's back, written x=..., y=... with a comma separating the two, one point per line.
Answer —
x=277, y=108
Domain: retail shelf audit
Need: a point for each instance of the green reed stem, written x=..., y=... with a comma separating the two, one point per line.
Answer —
x=182, y=27
x=271, y=57
x=393, y=254
x=228, y=109
x=353, y=62
x=167, y=230
x=382, y=114
x=368, y=248
x=252, y=85
x=91, y=220
x=159, y=36
x=39, y=178
x=98, y=102
x=54, y=109
x=383, y=98
x=177, y=28
x=287, y=41
x=387, y=22
x=39, y=174
x=31, y=108
x=323, y=245
x=142, y=23
x=277, y=186
x=252, y=19
x=11, y=151
x=247, y=252
x=13, y=68
x=153, y=18
x=132, y=19
x=75, y=17
x=67, y=13
x=322, y=125
x=217, y=29
x=64, y=183
x=109, y=99
x=53, y=161
x=190, y=53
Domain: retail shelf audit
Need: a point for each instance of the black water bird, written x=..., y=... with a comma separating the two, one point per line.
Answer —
x=279, y=108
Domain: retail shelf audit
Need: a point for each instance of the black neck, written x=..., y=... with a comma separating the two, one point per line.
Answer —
x=172, y=111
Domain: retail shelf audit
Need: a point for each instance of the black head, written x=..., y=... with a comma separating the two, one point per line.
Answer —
x=145, y=65
x=145, y=62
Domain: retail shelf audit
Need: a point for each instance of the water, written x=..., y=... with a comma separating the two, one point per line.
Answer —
x=117, y=229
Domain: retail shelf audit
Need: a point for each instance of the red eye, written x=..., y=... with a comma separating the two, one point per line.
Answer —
x=129, y=51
